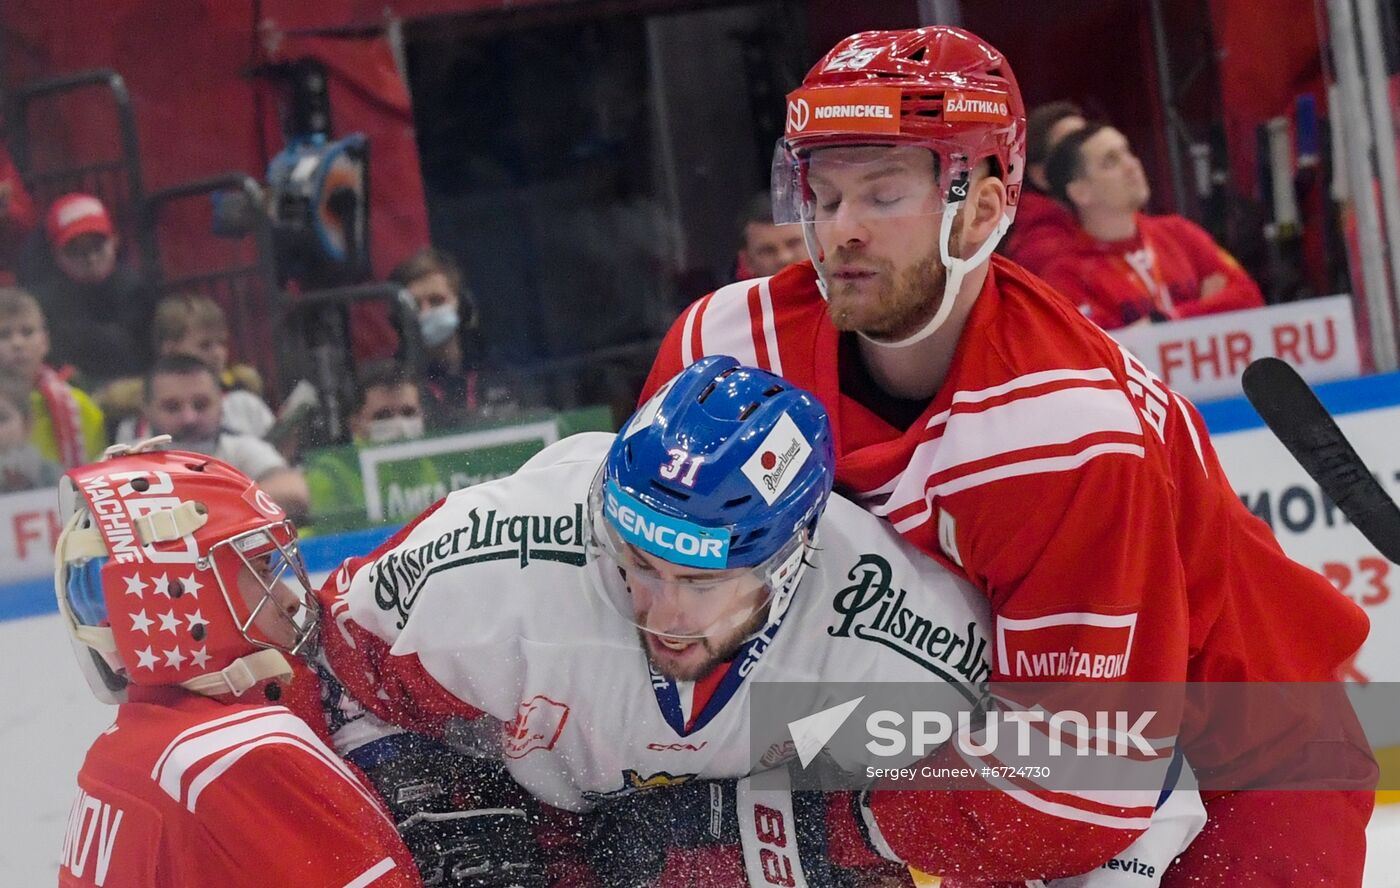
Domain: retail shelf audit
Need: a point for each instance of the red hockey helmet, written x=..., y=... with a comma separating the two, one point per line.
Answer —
x=939, y=88
x=175, y=569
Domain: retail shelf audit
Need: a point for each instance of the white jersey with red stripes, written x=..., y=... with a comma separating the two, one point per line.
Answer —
x=184, y=790
x=1083, y=499
x=482, y=607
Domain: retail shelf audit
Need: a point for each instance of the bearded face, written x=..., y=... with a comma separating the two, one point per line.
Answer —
x=878, y=211
x=691, y=659
x=690, y=620
x=887, y=302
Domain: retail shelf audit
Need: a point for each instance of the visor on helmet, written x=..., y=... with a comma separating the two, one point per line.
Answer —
x=810, y=184
x=643, y=563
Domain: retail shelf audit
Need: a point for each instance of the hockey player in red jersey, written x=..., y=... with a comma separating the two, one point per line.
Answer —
x=1003, y=434
x=184, y=591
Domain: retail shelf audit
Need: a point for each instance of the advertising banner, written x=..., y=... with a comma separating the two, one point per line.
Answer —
x=1313, y=531
x=29, y=526
x=1202, y=358
x=354, y=487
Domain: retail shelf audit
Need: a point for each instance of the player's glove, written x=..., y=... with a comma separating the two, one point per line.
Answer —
x=721, y=833
x=466, y=822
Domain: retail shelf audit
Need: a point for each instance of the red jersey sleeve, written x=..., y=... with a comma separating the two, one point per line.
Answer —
x=275, y=806
x=1066, y=519
x=1060, y=614
x=395, y=687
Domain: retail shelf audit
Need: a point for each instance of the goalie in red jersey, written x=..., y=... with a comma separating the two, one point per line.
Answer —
x=182, y=585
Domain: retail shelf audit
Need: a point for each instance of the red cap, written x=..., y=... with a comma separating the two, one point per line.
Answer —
x=76, y=214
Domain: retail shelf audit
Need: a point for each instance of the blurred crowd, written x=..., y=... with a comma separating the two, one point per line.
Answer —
x=89, y=356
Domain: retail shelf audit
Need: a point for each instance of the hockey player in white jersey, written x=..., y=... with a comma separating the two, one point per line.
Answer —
x=603, y=614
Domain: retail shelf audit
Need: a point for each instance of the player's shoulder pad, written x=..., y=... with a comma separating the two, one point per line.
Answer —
x=891, y=612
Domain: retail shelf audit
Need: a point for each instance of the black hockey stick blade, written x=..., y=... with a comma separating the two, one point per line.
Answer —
x=1298, y=419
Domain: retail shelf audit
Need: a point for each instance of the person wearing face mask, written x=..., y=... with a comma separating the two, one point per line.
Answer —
x=388, y=406
x=182, y=399
x=454, y=386
x=81, y=276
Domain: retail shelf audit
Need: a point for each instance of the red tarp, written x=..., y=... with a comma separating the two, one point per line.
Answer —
x=1268, y=55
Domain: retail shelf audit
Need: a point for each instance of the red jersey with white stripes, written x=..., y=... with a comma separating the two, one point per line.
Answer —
x=1055, y=472
x=184, y=790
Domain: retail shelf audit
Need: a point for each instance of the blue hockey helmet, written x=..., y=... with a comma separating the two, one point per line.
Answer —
x=726, y=468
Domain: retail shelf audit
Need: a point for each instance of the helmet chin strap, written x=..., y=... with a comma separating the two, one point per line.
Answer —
x=789, y=575
x=956, y=270
x=814, y=251
x=240, y=675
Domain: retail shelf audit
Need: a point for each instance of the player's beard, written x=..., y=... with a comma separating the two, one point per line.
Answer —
x=903, y=302
x=717, y=649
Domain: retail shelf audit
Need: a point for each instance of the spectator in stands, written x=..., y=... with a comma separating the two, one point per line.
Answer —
x=195, y=325
x=183, y=400
x=82, y=277
x=388, y=405
x=764, y=248
x=388, y=408
x=1043, y=225
x=17, y=217
x=67, y=426
x=453, y=381
x=1124, y=267
x=191, y=325
x=22, y=467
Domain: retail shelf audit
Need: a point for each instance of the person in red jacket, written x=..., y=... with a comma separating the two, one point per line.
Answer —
x=1122, y=266
x=1043, y=225
x=1006, y=436
x=176, y=578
